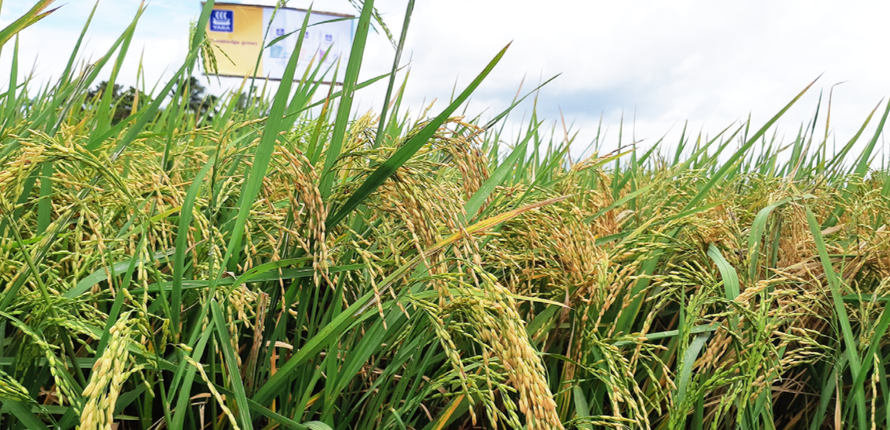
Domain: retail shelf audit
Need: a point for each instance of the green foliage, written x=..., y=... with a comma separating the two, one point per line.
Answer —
x=197, y=101
x=124, y=103
x=247, y=262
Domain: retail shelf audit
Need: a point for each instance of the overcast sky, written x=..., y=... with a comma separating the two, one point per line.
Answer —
x=662, y=62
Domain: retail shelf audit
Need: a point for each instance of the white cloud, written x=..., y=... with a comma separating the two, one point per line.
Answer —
x=665, y=62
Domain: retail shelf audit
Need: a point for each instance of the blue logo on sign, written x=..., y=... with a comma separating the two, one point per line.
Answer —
x=222, y=21
x=328, y=38
x=279, y=32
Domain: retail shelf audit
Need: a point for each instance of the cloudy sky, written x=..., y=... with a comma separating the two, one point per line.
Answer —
x=657, y=63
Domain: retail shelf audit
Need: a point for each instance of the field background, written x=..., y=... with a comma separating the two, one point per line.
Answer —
x=171, y=259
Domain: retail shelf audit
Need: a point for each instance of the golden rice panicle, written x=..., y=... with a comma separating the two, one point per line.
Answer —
x=108, y=375
x=507, y=335
x=64, y=383
x=15, y=170
x=10, y=389
x=214, y=392
x=465, y=154
x=302, y=178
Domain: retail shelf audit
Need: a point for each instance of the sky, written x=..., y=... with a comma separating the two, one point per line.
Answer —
x=656, y=64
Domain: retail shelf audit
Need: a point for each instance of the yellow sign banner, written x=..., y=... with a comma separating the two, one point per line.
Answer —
x=237, y=32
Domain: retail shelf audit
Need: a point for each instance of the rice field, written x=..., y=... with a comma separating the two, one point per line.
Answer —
x=275, y=260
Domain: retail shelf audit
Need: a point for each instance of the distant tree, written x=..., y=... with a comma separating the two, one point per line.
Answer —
x=121, y=101
x=245, y=102
x=199, y=102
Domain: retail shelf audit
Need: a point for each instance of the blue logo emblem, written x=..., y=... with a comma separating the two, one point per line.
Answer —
x=279, y=32
x=328, y=38
x=222, y=21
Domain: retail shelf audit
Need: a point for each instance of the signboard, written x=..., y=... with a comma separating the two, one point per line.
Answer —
x=237, y=32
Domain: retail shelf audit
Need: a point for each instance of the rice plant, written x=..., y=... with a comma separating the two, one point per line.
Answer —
x=248, y=262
